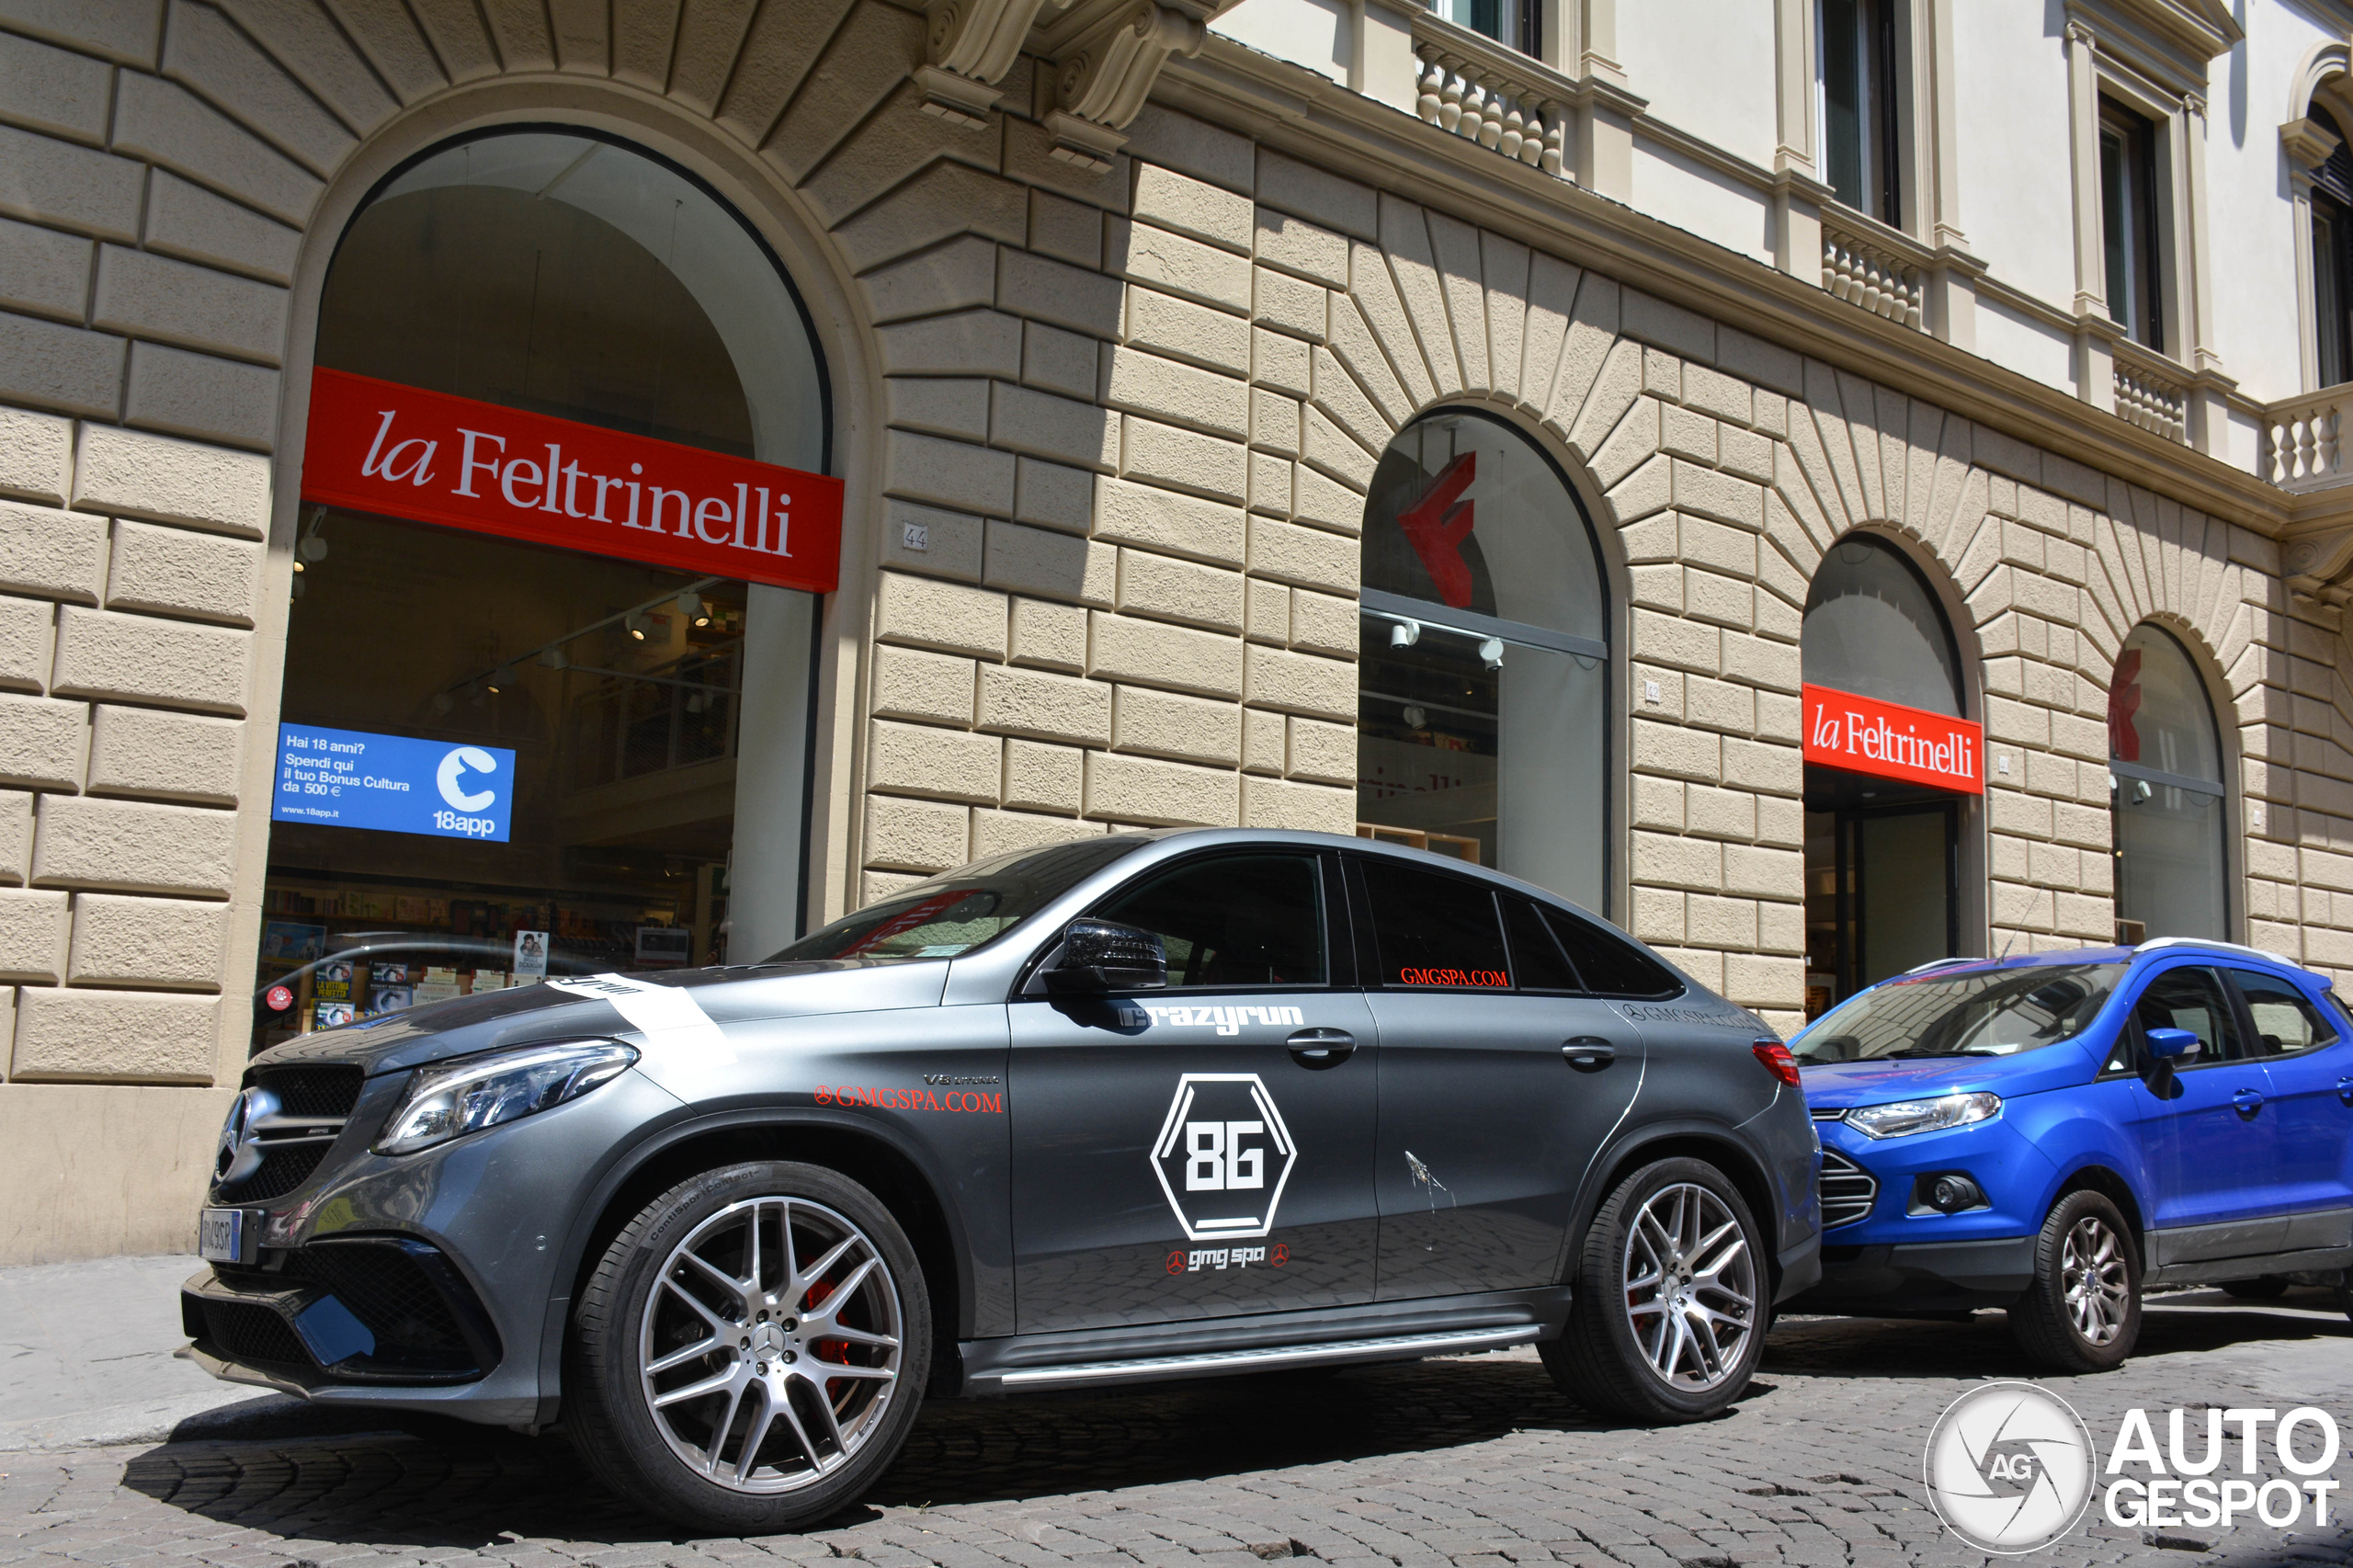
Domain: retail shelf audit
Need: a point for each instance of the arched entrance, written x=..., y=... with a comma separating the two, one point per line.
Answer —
x=1482, y=717
x=546, y=695
x=2167, y=793
x=1891, y=762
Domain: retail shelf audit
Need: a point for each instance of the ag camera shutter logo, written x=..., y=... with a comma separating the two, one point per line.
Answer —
x=2009, y=1468
x=1223, y=1156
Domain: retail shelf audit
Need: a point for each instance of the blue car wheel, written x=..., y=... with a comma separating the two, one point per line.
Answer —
x=2082, y=1313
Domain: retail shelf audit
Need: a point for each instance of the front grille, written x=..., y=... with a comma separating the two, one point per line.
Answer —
x=313, y=1102
x=246, y=1331
x=328, y=1092
x=1827, y=1113
x=387, y=1290
x=1848, y=1190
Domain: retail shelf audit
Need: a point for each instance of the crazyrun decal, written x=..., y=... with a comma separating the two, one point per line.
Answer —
x=1221, y=1258
x=1223, y=1156
x=1493, y=979
x=1227, y=1020
x=912, y=1099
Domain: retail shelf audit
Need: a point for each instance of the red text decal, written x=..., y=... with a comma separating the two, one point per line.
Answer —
x=1488, y=977
x=406, y=452
x=1860, y=734
x=1436, y=525
x=912, y=1099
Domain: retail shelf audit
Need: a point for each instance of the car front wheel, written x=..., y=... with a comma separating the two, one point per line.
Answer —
x=751, y=1350
x=2082, y=1313
x=1669, y=1301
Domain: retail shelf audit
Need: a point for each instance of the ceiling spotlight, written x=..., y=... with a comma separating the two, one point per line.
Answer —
x=1490, y=653
x=1415, y=718
x=443, y=702
x=554, y=658
x=690, y=603
x=315, y=549
x=1404, y=634
x=298, y=566
x=636, y=623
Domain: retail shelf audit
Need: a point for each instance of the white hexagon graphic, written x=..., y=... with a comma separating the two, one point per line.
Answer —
x=1223, y=1156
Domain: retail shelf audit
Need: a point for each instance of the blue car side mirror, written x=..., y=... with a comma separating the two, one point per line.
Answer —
x=2173, y=1045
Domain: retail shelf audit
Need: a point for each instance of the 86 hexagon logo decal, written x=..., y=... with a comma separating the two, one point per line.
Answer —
x=1223, y=1155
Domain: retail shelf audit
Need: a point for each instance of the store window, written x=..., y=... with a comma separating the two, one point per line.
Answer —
x=2166, y=791
x=546, y=694
x=1482, y=717
x=1894, y=767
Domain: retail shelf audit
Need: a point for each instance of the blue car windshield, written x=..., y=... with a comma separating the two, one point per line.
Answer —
x=1988, y=1013
x=958, y=911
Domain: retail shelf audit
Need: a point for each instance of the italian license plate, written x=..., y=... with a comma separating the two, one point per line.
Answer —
x=220, y=1236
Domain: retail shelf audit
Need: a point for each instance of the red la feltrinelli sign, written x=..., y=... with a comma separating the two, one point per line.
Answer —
x=1887, y=740
x=406, y=452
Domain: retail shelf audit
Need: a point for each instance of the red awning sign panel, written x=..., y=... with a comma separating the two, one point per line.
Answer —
x=1887, y=740
x=406, y=452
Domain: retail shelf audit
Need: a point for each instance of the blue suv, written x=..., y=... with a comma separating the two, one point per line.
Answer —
x=2049, y=1133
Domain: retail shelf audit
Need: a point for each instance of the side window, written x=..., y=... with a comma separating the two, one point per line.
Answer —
x=1235, y=921
x=1434, y=932
x=1610, y=965
x=2285, y=1020
x=1537, y=960
x=2191, y=999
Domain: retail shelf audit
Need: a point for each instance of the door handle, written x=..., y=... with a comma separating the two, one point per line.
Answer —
x=2248, y=1102
x=1321, y=1047
x=2344, y=1090
x=1589, y=1052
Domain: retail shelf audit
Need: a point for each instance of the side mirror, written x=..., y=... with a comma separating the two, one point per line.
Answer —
x=1103, y=954
x=2173, y=1045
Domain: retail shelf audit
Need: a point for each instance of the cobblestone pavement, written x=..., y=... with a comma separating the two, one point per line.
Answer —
x=1472, y=1462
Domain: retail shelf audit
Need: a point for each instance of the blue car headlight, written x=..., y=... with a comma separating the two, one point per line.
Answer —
x=450, y=1099
x=1903, y=1118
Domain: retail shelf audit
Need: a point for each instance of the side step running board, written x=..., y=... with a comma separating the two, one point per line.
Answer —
x=1267, y=1358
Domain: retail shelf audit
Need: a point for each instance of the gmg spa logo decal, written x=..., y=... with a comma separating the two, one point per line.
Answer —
x=2009, y=1468
x=1223, y=1156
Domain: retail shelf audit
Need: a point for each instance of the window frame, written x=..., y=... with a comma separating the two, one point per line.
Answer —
x=1882, y=119
x=1340, y=966
x=2143, y=1063
x=2133, y=218
x=2248, y=1020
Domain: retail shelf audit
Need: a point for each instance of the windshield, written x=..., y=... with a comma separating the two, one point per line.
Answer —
x=958, y=911
x=1985, y=1012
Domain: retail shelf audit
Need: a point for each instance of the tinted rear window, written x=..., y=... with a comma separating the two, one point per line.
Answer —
x=1608, y=963
x=1536, y=961
x=1434, y=931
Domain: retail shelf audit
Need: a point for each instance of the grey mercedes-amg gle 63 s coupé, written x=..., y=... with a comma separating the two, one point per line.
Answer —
x=1141, y=1106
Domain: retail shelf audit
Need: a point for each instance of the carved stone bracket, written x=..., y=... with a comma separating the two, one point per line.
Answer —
x=972, y=45
x=2307, y=142
x=1106, y=59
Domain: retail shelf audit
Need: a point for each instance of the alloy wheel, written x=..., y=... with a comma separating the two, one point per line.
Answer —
x=770, y=1344
x=2093, y=1280
x=1690, y=1287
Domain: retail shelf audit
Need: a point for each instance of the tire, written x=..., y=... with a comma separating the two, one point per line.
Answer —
x=2256, y=1290
x=1669, y=1299
x=680, y=1269
x=2082, y=1313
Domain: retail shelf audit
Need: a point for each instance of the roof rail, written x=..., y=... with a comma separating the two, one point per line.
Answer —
x=2209, y=942
x=1940, y=963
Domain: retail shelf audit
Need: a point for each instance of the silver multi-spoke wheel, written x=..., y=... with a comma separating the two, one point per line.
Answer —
x=1690, y=1287
x=2094, y=1281
x=770, y=1349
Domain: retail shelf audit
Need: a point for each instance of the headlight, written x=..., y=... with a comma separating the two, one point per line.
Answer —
x=452, y=1098
x=1906, y=1117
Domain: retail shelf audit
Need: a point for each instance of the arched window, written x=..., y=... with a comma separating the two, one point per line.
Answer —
x=1483, y=726
x=1882, y=854
x=621, y=738
x=2167, y=788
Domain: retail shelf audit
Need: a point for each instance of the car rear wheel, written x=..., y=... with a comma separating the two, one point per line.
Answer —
x=2266, y=1290
x=1669, y=1299
x=2082, y=1313
x=751, y=1350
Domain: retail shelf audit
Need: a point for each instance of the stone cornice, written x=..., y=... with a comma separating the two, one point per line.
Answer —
x=1309, y=116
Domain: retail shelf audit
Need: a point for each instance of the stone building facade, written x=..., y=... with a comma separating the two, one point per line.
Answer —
x=1106, y=433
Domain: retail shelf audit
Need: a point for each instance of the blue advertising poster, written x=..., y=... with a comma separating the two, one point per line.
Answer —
x=391, y=783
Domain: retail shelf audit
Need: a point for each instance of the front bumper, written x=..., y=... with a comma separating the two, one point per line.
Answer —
x=1926, y=1276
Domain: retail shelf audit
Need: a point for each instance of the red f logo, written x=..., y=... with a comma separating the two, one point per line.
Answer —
x=1436, y=525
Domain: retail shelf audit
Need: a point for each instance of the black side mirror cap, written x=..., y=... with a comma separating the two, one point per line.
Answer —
x=1100, y=956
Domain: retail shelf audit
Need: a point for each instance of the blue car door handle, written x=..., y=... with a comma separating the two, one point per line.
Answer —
x=1321, y=1047
x=2344, y=1090
x=2249, y=1101
x=1587, y=1054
